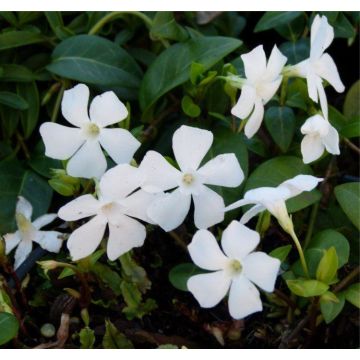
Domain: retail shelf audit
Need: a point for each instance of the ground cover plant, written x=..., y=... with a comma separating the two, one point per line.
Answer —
x=179, y=180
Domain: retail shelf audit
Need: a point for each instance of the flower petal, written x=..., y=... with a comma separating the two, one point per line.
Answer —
x=254, y=63
x=74, y=105
x=311, y=148
x=244, y=298
x=49, y=240
x=315, y=124
x=246, y=102
x=209, y=208
x=325, y=67
x=300, y=183
x=106, y=109
x=275, y=64
x=61, y=142
x=170, y=210
x=322, y=97
x=88, y=162
x=120, y=181
x=11, y=241
x=209, y=289
x=190, y=145
x=311, y=81
x=44, y=220
x=253, y=211
x=322, y=35
x=237, y=204
x=159, y=175
x=205, y=251
x=22, y=252
x=120, y=144
x=261, y=269
x=238, y=240
x=84, y=240
x=24, y=207
x=268, y=89
x=126, y=234
x=222, y=170
x=254, y=122
x=79, y=208
x=331, y=141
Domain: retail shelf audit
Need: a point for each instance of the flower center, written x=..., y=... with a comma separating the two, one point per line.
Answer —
x=23, y=223
x=107, y=208
x=92, y=130
x=235, y=267
x=188, y=179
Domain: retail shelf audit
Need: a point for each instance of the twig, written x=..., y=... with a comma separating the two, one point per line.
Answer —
x=178, y=240
x=346, y=280
x=284, y=297
x=352, y=146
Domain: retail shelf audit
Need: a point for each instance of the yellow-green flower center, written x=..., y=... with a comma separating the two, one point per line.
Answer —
x=188, y=179
x=92, y=130
x=235, y=266
x=24, y=225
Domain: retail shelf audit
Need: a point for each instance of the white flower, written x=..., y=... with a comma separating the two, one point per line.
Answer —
x=82, y=143
x=319, y=134
x=319, y=65
x=190, y=146
x=261, y=84
x=30, y=231
x=238, y=270
x=117, y=205
x=273, y=199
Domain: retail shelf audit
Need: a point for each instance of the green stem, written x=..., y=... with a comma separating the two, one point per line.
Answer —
x=313, y=215
x=283, y=90
x=58, y=103
x=300, y=251
x=242, y=125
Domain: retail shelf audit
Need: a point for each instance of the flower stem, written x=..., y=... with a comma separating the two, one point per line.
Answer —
x=300, y=251
x=313, y=215
x=283, y=90
x=352, y=146
x=56, y=109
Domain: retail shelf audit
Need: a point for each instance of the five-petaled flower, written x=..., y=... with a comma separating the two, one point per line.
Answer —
x=319, y=135
x=273, y=199
x=117, y=204
x=82, y=143
x=190, y=146
x=262, y=81
x=30, y=231
x=319, y=65
x=238, y=270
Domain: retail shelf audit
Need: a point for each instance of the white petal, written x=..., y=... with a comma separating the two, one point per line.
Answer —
x=253, y=211
x=44, y=220
x=120, y=181
x=11, y=241
x=81, y=207
x=170, y=210
x=326, y=68
x=209, y=208
x=190, y=145
x=126, y=234
x=238, y=240
x=315, y=124
x=205, y=251
x=22, y=252
x=331, y=141
x=24, y=207
x=84, y=240
x=209, y=289
x=311, y=148
x=279, y=210
x=158, y=173
x=136, y=204
x=106, y=109
x=261, y=269
x=244, y=298
x=49, y=240
x=254, y=63
x=300, y=183
x=246, y=102
x=275, y=64
x=254, y=122
x=267, y=90
x=322, y=97
x=311, y=80
x=61, y=142
x=264, y=195
x=322, y=35
x=120, y=144
x=223, y=170
x=237, y=204
x=88, y=162
x=74, y=105
x=302, y=68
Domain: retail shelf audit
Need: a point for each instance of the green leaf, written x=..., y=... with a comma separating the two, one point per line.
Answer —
x=330, y=309
x=352, y=294
x=307, y=288
x=13, y=100
x=17, y=73
x=9, y=327
x=172, y=67
x=296, y=51
x=98, y=61
x=114, y=339
x=280, y=122
x=272, y=19
x=328, y=266
x=196, y=70
x=87, y=338
x=352, y=103
x=189, y=107
x=274, y=171
x=348, y=196
x=66, y=272
x=352, y=128
x=343, y=27
x=109, y=277
x=281, y=252
x=13, y=39
x=180, y=274
x=292, y=30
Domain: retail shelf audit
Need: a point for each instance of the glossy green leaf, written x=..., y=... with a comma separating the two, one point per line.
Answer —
x=172, y=67
x=13, y=100
x=87, y=338
x=307, y=288
x=296, y=51
x=331, y=309
x=272, y=19
x=352, y=128
x=328, y=266
x=281, y=252
x=16, y=38
x=9, y=327
x=293, y=29
x=352, y=294
x=352, y=103
x=114, y=339
x=16, y=73
x=189, y=107
x=165, y=27
x=348, y=196
x=180, y=274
